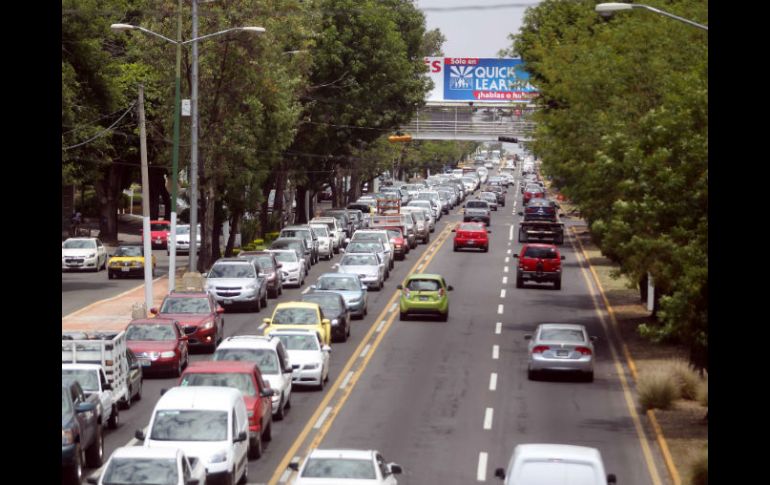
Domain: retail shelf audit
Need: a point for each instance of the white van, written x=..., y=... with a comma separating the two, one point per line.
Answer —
x=208, y=423
x=534, y=464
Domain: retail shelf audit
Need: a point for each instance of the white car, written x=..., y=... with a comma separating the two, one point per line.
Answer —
x=83, y=253
x=325, y=243
x=336, y=231
x=183, y=239
x=292, y=268
x=355, y=467
x=273, y=361
x=309, y=358
x=535, y=464
x=426, y=204
x=136, y=465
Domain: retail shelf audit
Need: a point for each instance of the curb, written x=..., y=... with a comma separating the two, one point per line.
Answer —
x=670, y=466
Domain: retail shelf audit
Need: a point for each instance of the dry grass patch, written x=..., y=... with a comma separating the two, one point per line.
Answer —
x=699, y=469
x=657, y=389
x=687, y=378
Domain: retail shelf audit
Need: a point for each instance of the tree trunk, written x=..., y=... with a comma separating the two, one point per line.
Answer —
x=216, y=231
x=208, y=201
x=264, y=217
x=643, y=288
x=355, y=187
x=278, y=208
x=107, y=193
x=302, y=216
x=235, y=222
x=157, y=192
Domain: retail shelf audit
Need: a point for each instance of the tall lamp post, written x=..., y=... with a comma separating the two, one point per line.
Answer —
x=608, y=9
x=194, y=156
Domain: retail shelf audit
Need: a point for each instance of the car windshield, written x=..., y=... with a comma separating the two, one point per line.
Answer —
x=423, y=285
x=183, y=229
x=295, y=316
x=79, y=244
x=149, y=471
x=287, y=257
x=540, y=253
x=562, y=335
x=359, y=260
x=329, y=303
x=232, y=271
x=185, y=305
x=88, y=379
x=295, y=245
x=150, y=332
x=339, y=468
x=189, y=425
x=265, y=359
x=240, y=381
x=159, y=227
x=477, y=204
x=128, y=251
x=320, y=231
x=343, y=284
x=299, y=342
x=66, y=404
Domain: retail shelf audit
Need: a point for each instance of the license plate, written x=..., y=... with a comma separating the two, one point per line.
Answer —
x=562, y=353
x=145, y=362
x=424, y=298
x=471, y=243
x=227, y=302
x=125, y=270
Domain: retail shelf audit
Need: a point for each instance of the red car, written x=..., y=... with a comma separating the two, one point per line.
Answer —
x=159, y=231
x=539, y=263
x=159, y=345
x=198, y=313
x=397, y=240
x=471, y=235
x=533, y=191
x=247, y=378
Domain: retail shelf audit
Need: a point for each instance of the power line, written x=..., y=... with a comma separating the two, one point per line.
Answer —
x=103, y=132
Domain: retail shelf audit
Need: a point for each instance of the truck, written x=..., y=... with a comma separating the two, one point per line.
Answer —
x=541, y=222
x=81, y=432
x=99, y=362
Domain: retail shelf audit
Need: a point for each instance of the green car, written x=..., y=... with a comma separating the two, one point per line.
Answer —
x=424, y=294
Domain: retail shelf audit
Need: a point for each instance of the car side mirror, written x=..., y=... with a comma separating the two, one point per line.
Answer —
x=205, y=275
x=611, y=478
x=107, y=386
x=528, y=336
x=500, y=473
x=450, y=288
x=266, y=393
x=267, y=321
x=562, y=258
x=139, y=434
x=163, y=391
x=594, y=338
x=489, y=232
x=93, y=479
x=326, y=321
x=154, y=310
x=395, y=469
x=294, y=465
x=326, y=348
x=454, y=230
x=312, y=287
x=561, y=214
x=400, y=286
x=242, y=436
x=521, y=213
x=516, y=256
x=279, y=265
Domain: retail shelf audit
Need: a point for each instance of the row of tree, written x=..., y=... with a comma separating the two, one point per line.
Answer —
x=623, y=131
x=306, y=104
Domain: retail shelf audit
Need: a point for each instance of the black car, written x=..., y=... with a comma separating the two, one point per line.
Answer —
x=540, y=210
x=81, y=432
x=333, y=306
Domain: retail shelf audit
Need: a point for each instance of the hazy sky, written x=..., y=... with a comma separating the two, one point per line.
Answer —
x=477, y=31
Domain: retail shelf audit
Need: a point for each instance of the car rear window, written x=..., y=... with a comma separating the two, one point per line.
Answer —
x=423, y=285
x=157, y=333
x=265, y=359
x=232, y=271
x=189, y=425
x=552, y=471
x=562, y=335
x=471, y=227
x=296, y=316
x=185, y=305
x=335, y=283
x=477, y=204
x=159, y=227
x=339, y=468
x=152, y=471
x=540, y=253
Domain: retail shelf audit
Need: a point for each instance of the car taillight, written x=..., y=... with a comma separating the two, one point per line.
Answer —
x=583, y=350
x=539, y=349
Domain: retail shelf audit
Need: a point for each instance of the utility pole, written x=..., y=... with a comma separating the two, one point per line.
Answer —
x=175, y=155
x=145, y=205
x=194, y=146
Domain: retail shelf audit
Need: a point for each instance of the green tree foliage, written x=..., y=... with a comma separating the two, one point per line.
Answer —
x=623, y=130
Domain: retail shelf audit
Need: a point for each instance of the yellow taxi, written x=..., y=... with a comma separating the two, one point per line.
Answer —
x=300, y=315
x=128, y=261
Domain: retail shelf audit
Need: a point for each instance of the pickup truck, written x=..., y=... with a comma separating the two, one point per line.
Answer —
x=541, y=222
x=81, y=432
x=129, y=465
x=93, y=380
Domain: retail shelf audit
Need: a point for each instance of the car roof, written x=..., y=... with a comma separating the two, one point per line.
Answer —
x=81, y=366
x=248, y=342
x=342, y=453
x=220, y=366
x=232, y=260
x=539, y=245
x=199, y=397
x=80, y=239
x=337, y=275
x=143, y=452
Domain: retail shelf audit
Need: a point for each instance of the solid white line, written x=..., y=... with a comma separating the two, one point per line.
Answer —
x=323, y=417
x=366, y=350
x=487, y=418
x=481, y=470
x=379, y=327
x=502, y=293
x=495, y=352
x=392, y=308
x=305, y=290
x=505, y=280
x=498, y=327
x=346, y=380
x=492, y=381
x=500, y=309
x=285, y=477
x=507, y=259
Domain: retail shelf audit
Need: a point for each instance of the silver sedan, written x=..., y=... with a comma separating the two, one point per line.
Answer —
x=561, y=347
x=367, y=266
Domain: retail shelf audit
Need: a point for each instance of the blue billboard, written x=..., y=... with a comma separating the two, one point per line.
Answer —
x=479, y=79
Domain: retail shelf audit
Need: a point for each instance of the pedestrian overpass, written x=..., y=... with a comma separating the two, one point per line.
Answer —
x=445, y=121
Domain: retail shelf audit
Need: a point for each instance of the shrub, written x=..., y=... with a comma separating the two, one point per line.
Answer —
x=703, y=393
x=271, y=236
x=657, y=389
x=699, y=469
x=686, y=377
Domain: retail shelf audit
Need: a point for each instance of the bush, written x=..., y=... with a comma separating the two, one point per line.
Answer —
x=703, y=393
x=699, y=469
x=271, y=236
x=657, y=389
x=686, y=377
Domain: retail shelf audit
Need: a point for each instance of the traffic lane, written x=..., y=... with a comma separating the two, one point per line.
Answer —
x=80, y=289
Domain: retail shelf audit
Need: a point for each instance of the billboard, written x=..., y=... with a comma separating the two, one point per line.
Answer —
x=479, y=80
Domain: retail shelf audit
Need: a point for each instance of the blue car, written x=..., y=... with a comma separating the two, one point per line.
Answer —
x=81, y=433
x=348, y=285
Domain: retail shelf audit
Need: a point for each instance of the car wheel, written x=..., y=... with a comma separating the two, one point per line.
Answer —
x=281, y=411
x=110, y=275
x=519, y=281
x=268, y=434
x=255, y=447
x=454, y=248
x=402, y=316
x=531, y=374
x=257, y=306
x=264, y=301
x=486, y=249
x=230, y=478
x=126, y=403
x=288, y=403
x=557, y=284
x=138, y=396
x=588, y=376
x=73, y=474
x=320, y=386
x=445, y=317
x=245, y=477
x=177, y=371
x=366, y=310
x=95, y=453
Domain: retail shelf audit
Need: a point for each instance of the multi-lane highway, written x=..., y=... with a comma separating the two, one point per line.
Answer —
x=446, y=400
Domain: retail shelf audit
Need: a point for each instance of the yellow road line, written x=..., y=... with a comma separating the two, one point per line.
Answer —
x=664, y=448
x=646, y=451
x=282, y=466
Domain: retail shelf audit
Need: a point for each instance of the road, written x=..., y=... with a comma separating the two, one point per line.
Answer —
x=448, y=401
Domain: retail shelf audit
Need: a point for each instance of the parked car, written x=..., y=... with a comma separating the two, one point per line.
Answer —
x=353, y=291
x=539, y=263
x=81, y=432
x=560, y=347
x=199, y=315
x=237, y=282
x=159, y=344
x=335, y=309
x=424, y=294
x=128, y=260
x=83, y=253
x=368, y=266
x=137, y=465
x=472, y=235
x=271, y=358
x=247, y=378
x=297, y=314
x=309, y=358
x=93, y=381
x=344, y=465
x=269, y=265
x=293, y=270
x=535, y=464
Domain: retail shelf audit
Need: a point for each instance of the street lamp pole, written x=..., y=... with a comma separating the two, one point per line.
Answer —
x=175, y=155
x=194, y=145
x=608, y=8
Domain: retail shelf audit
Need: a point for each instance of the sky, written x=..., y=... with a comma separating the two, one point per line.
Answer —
x=473, y=30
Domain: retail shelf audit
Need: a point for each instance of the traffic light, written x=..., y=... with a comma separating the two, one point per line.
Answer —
x=508, y=139
x=399, y=138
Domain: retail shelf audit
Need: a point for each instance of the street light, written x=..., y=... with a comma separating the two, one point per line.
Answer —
x=194, y=156
x=608, y=9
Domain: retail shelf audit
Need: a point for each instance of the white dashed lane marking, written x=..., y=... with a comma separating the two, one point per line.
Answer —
x=323, y=417
x=507, y=259
x=481, y=470
x=487, y=418
x=495, y=352
x=505, y=269
x=500, y=309
x=493, y=381
x=498, y=327
x=502, y=293
x=346, y=380
x=505, y=280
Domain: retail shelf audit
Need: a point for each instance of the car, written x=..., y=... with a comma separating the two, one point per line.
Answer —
x=269, y=265
x=94, y=382
x=325, y=244
x=377, y=234
x=247, y=378
x=83, y=253
x=367, y=207
x=368, y=266
x=423, y=225
x=532, y=191
x=160, y=345
x=499, y=192
x=137, y=465
x=539, y=263
x=135, y=379
x=199, y=315
x=298, y=245
x=297, y=314
x=303, y=232
x=535, y=464
x=325, y=193
x=353, y=291
x=471, y=235
x=309, y=358
x=335, y=309
x=159, y=231
x=128, y=260
x=293, y=269
x=208, y=422
x=540, y=210
x=357, y=217
x=343, y=219
x=488, y=165
x=490, y=197
x=237, y=282
x=81, y=433
x=335, y=230
x=398, y=242
x=424, y=294
x=273, y=361
x=367, y=246
x=345, y=465
x=477, y=210
x=560, y=347
x=428, y=208
x=183, y=239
